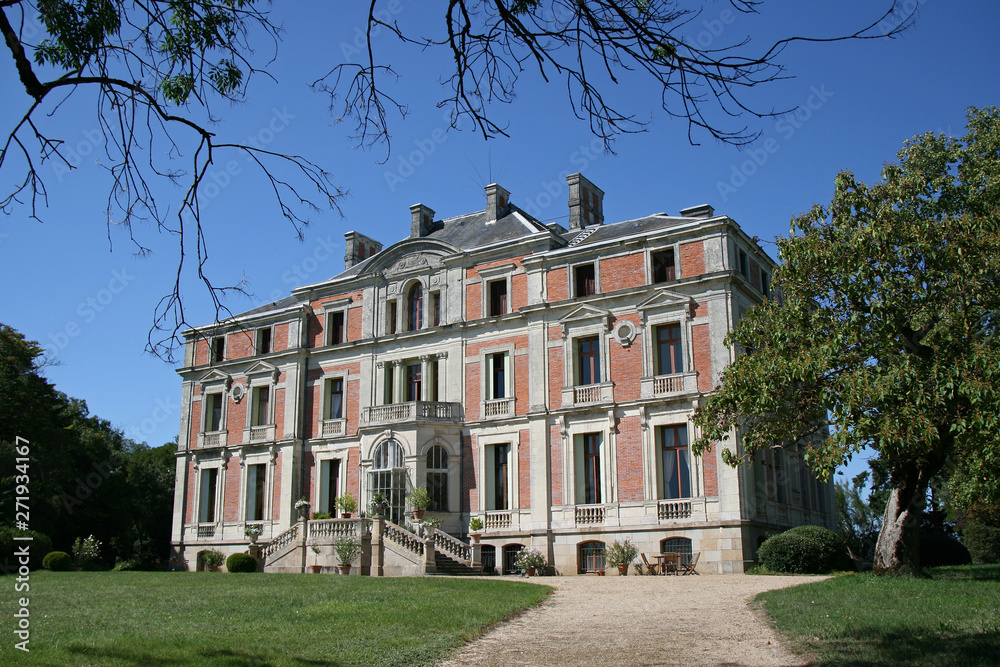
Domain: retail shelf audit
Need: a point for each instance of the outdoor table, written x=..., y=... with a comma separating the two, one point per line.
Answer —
x=667, y=562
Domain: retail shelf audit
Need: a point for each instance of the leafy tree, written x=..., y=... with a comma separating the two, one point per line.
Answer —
x=155, y=73
x=885, y=333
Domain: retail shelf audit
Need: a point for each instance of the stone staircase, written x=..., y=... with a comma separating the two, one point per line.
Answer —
x=451, y=567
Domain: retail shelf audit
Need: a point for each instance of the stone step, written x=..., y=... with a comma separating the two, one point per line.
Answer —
x=452, y=567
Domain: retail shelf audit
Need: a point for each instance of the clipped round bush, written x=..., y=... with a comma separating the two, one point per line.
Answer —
x=804, y=550
x=40, y=545
x=241, y=563
x=937, y=549
x=57, y=561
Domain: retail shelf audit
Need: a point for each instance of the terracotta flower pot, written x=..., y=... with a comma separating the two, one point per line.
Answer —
x=345, y=515
x=623, y=569
x=316, y=568
x=344, y=569
x=418, y=514
x=530, y=571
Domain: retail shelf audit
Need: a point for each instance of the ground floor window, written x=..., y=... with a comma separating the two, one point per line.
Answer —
x=677, y=545
x=509, y=556
x=591, y=557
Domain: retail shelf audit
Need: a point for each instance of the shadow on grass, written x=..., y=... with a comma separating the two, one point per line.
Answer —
x=221, y=658
x=966, y=572
x=886, y=648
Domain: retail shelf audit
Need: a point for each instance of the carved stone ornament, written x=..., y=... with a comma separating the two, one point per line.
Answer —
x=625, y=333
x=411, y=262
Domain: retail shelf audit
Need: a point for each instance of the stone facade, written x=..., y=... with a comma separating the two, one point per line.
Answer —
x=540, y=378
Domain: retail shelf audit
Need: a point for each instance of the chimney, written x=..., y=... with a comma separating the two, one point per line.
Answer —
x=699, y=211
x=496, y=202
x=421, y=219
x=359, y=248
x=586, y=202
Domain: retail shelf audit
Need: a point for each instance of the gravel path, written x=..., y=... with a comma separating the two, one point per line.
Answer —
x=704, y=620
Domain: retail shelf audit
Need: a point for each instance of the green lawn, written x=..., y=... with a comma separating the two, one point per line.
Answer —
x=158, y=619
x=951, y=618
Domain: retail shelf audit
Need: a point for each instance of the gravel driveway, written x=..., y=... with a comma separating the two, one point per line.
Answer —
x=703, y=620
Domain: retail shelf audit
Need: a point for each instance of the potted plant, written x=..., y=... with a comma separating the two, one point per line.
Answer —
x=213, y=560
x=475, y=528
x=529, y=560
x=347, y=548
x=420, y=500
x=346, y=504
x=302, y=507
x=316, y=567
x=379, y=504
x=621, y=555
x=253, y=531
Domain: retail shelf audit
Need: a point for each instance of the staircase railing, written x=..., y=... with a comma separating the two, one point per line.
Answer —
x=452, y=546
x=402, y=537
x=280, y=541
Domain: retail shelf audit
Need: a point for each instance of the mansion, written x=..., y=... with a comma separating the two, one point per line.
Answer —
x=538, y=377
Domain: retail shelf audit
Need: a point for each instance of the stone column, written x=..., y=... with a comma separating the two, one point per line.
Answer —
x=366, y=551
x=377, y=548
x=398, y=381
x=476, y=552
x=425, y=378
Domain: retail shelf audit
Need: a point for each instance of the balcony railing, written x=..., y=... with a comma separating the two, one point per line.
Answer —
x=671, y=510
x=497, y=520
x=587, y=394
x=206, y=532
x=213, y=439
x=665, y=385
x=262, y=433
x=404, y=412
x=587, y=514
x=498, y=407
x=333, y=427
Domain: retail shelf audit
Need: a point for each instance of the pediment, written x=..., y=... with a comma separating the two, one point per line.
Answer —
x=414, y=255
x=213, y=376
x=261, y=368
x=664, y=298
x=585, y=312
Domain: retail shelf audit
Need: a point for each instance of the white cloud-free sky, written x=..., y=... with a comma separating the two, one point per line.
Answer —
x=78, y=289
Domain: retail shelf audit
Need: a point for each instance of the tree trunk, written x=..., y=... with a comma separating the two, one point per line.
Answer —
x=897, y=550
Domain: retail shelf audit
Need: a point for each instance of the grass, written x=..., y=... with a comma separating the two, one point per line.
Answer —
x=950, y=618
x=159, y=619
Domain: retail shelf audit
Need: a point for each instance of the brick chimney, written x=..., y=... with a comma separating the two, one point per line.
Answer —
x=359, y=247
x=700, y=211
x=586, y=202
x=421, y=219
x=496, y=202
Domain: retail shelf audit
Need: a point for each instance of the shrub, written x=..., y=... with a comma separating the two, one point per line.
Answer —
x=346, y=503
x=982, y=540
x=319, y=516
x=87, y=553
x=40, y=545
x=241, y=563
x=57, y=561
x=347, y=548
x=529, y=557
x=804, y=550
x=937, y=549
x=475, y=525
x=212, y=558
x=620, y=553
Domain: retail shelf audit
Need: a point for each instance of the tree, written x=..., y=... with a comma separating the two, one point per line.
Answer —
x=884, y=334
x=156, y=71
x=857, y=521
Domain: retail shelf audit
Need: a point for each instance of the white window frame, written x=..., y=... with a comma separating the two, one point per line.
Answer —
x=321, y=492
x=484, y=445
x=573, y=445
x=649, y=262
x=494, y=274
x=255, y=385
x=325, y=394
x=268, y=489
x=211, y=348
x=486, y=389
x=219, y=476
x=256, y=339
x=330, y=308
x=654, y=462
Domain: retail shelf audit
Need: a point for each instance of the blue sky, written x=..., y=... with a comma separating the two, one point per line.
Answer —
x=80, y=291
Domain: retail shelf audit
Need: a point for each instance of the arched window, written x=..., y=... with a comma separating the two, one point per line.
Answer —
x=437, y=478
x=489, y=558
x=510, y=552
x=415, y=307
x=677, y=545
x=591, y=557
x=388, y=477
